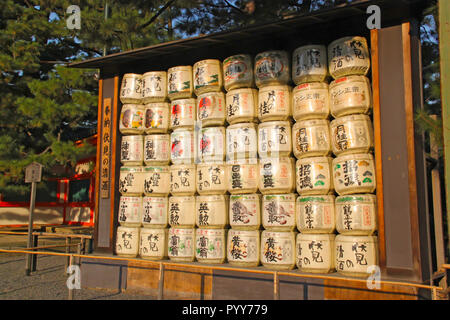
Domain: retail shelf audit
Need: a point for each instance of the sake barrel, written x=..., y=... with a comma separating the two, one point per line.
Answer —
x=211, y=144
x=211, y=178
x=348, y=56
x=351, y=134
x=179, y=82
x=127, y=241
x=153, y=244
x=183, y=179
x=181, y=244
x=356, y=214
x=156, y=149
x=210, y=245
x=278, y=212
x=242, y=177
x=245, y=211
x=276, y=175
x=131, y=181
x=350, y=95
x=238, y=72
x=212, y=211
x=243, y=248
x=132, y=150
x=183, y=113
x=311, y=101
x=242, y=105
x=207, y=76
x=274, y=103
x=132, y=119
x=274, y=139
x=313, y=176
x=242, y=142
x=355, y=254
x=156, y=180
x=182, y=146
x=311, y=138
x=316, y=214
x=130, y=211
x=131, y=88
x=315, y=252
x=354, y=173
x=278, y=250
x=211, y=109
x=272, y=68
x=309, y=64
x=156, y=117
x=154, y=86
x=182, y=211
x=154, y=212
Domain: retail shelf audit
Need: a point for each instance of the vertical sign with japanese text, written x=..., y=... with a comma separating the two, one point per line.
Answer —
x=106, y=149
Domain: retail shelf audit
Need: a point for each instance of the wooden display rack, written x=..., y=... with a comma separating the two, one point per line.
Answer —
x=405, y=248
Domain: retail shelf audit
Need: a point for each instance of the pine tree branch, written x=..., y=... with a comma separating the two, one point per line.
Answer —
x=234, y=7
x=156, y=15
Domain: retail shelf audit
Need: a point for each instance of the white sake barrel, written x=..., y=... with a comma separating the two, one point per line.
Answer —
x=182, y=211
x=354, y=254
x=272, y=68
x=311, y=138
x=348, y=56
x=276, y=175
x=212, y=211
x=238, y=72
x=153, y=244
x=274, y=139
x=316, y=214
x=245, y=211
x=157, y=149
x=182, y=113
x=242, y=142
x=154, y=212
x=131, y=181
x=350, y=95
x=243, y=248
x=183, y=179
x=315, y=252
x=242, y=105
x=179, y=82
x=130, y=211
x=211, y=178
x=354, y=173
x=182, y=146
x=156, y=117
x=207, y=76
x=313, y=176
x=181, y=244
x=156, y=180
x=132, y=119
x=309, y=64
x=132, y=150
x=356, y=214
x=278, y=250
x=278, y=212
x=242, y=177
x=311, y=101
x=211, y=109
x=131, y=88
x=210, y=245
x=127, y=242
x=274, y=103
x=154, y=86
x=211, y=144
x=351, y=134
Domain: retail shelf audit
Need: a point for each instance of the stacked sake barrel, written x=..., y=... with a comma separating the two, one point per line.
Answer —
x=311, y=144
x=353, y=168
x=144, y=125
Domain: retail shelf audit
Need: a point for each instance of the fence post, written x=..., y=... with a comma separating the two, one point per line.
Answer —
x=70, y=287
x=161, y=282
x=34, y=258
x=276, y=286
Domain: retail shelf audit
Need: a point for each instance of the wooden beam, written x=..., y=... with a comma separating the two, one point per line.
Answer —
x=97, y=163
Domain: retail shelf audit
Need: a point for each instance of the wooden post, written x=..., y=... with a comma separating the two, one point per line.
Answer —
x=34, y=259
x=276, y=286
x=70, y=287
x=30, y=227
x=67, y=251
x=161, y=282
